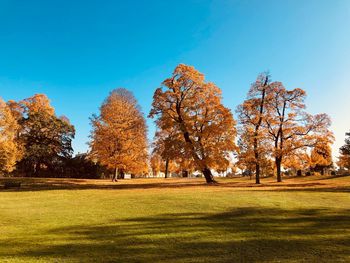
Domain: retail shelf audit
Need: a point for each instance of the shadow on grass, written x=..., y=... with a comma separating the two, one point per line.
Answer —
x=45, y=184
x=42, y=184
x=241, y=235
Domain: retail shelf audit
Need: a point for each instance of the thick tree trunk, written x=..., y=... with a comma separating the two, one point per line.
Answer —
x=257, y=127
x=257, y=161
x=257, y=173
x=278, y=167
x=115, y=175
x=185, y=173
x=208, y=175
x=166, y=167
x=256, y=155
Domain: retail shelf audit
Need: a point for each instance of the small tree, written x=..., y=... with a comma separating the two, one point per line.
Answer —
x=321, y=156
x=344, y=159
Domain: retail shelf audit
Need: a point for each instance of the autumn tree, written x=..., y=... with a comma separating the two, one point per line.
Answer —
x=193, y=108
x=251, y=114
x=290, y=128
x=156, y=163
x=321, y=156
x=297, y=161
x=344, y=159
x=118, y=137
x=168, y=144
x=10, y=148
x=46, y=138
x=246, y=160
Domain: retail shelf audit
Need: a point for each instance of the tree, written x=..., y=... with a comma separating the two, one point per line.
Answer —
x=193, y=108
x=297, y=161
x=246, y=157
x=156, y=163
x=289, y=126
x=118, y=137
x=47, y=139
x=251, y=115
x=344, y=159
x=169, y=146
x=321, y=156
x=10, y=148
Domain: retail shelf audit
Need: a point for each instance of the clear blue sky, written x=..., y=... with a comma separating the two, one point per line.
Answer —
x=77, y=51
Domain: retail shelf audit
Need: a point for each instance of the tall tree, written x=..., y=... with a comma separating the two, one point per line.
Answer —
x=193, y=108
x=10, y=148
x=251, y=115
x=344, y=159
x=289, y=126
x=118, y=137
x=47, y=139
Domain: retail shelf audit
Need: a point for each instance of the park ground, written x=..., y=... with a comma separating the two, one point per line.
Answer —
x=176, y=220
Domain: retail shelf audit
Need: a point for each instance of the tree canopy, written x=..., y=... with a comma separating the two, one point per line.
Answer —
x=344, y=159
x=46, y=138
x=192, y=109
x=118, y=137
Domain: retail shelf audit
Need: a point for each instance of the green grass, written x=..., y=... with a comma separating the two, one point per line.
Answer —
x=175, y=221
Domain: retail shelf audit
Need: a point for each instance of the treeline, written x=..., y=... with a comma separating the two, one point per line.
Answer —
x=195, y=132
x=35, y=142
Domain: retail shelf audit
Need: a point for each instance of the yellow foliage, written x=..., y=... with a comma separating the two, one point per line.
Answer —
x=190, y=110
x=119, y=134
x=10, y=150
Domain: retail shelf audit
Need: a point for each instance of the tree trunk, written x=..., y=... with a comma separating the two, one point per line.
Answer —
x=115, y=175
x=257, y=173
x=208, y=175
x=256, y=155
x=257, y=126
x=278, y=167
x=166, y=167
x=185, y=173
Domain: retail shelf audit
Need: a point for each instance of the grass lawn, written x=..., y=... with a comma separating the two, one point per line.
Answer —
x=176, y=220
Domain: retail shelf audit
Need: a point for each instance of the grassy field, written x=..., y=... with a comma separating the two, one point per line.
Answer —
x=176, y=220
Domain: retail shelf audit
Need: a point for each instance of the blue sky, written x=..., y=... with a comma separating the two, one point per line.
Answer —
x=77, y=51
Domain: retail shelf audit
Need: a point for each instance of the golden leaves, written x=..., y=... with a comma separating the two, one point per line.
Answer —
x=10, y=149
x=191, y=110
x=119, y=133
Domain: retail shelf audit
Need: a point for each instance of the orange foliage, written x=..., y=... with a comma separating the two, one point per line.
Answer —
x=290, y=128
x=11, y=150
x=251, y=113
x=190, y=109
x=119, y=134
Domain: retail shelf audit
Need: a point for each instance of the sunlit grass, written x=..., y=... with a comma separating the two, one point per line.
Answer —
x=176, y=220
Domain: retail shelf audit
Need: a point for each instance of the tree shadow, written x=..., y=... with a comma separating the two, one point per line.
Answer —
x=46, y=184
x=250, y=234
x=69, y=184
